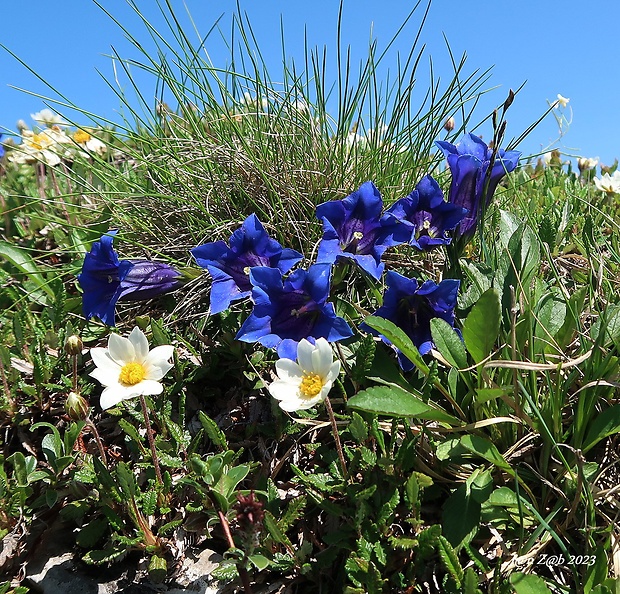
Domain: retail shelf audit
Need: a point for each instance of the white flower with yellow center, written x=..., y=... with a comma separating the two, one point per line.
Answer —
x=45, y=146
x=89, y=143
x=127, y=368
x=306, y=383
x=610, y=184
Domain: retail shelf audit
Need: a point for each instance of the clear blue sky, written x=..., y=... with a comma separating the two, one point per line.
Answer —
x=557, y=47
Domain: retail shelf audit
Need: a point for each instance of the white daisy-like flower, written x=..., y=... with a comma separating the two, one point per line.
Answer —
x=45, y=146
x=128, y=369
x=48, y=118
x=610, y=184
x=89, y=143
x=306, y=383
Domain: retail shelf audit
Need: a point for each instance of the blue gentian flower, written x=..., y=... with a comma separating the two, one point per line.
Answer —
x=229, y=267
x=287, y=311
x=469, y=161
x=1, y=148
x=411, y=307
x=427, y=215
x=354, y=229
x=105, y=280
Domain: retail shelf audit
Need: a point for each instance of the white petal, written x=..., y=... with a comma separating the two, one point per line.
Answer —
x=121, y=350
x=322, y=358
x=284, y=390
x=140, y=343
x=288, y=370
x=115, y=394
x=156, y=362
x=149, y=387
x=101, y=358
x=293, y=404
x=105, y=377
x=305, y=349
x=334, y=371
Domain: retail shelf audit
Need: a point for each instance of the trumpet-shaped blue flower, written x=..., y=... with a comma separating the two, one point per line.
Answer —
x=469, y=163
x=1, y=148
x=105, y=280
x=411, y=307
x=427, y=215
x=354, y=229
x=287, y=311
x=229, y=266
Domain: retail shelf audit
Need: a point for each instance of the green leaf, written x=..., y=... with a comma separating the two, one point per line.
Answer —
x=450, y=560
x=596, y=574
x=487, y=450
x=275, y=530
x=216, y=435
x=399, y=339
x=528, y=584
x=481, y=327
x=358, y=428
x=18, y=460
x=24, y=262
x=259, y=561
x=90, y=534
x=448, y=343
x=608, y=324
x=104, y=556
x=605, y=424
x=550, y=315
x=395, y=402
x=461, y=514
x=126, y=480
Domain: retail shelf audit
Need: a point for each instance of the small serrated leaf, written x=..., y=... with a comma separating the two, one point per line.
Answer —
x=216, y=435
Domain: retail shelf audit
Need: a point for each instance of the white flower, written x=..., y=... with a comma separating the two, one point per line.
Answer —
x=587, y=163
x=306, y=383
x=44, y=146
x=610, y=184
x=127, y=368
x=48, y=118
x=89, y=143
x=563, y=101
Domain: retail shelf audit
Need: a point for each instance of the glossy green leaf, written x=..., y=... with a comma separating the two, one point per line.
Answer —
x=528, y=584
x=448, y=343
x=393, y=401
x=481, y=327
x=399, y=339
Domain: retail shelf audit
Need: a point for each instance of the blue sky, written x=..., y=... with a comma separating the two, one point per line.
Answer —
x=555, y=47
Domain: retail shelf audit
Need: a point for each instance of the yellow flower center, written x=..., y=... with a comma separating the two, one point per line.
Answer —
x=131, y=374
x=38, y=141
x=81, y=136
x=358, y=235
x=246, y=270
x=311, y=385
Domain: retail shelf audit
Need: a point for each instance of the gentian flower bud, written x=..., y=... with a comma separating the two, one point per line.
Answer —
x=472, y=187
x=105, y=280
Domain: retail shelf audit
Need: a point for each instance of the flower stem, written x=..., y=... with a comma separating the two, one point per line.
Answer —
x=97, y=437
x=243, y=572
x=332, y=419
x=149, y=434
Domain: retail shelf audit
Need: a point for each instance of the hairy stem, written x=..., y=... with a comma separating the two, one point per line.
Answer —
x=332, y=419
x=149, y=434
